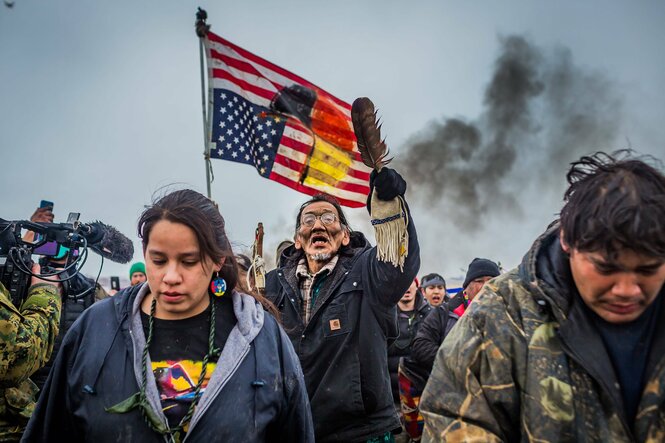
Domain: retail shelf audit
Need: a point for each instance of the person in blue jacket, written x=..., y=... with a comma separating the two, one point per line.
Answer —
x=338, y=305
x=183, y=357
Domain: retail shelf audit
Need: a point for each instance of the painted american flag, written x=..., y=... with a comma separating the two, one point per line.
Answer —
x=290, y=130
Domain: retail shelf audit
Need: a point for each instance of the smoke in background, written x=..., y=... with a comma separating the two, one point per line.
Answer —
x=540, y=112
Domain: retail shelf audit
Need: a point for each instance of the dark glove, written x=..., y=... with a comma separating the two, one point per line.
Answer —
x=388, y=184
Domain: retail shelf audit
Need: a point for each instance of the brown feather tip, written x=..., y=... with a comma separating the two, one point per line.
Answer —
x=373, y=150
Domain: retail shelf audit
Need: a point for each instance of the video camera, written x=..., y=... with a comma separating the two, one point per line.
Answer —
x=49, y=241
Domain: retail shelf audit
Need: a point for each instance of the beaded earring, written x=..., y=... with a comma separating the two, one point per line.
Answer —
x=218, y=285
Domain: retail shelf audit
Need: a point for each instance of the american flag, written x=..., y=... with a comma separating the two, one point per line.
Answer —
x=290, y=130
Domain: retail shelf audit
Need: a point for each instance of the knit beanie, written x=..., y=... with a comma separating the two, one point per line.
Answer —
x=480, y=267
x=137, y=267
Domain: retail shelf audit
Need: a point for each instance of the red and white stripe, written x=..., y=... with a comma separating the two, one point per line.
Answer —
x=257, y=80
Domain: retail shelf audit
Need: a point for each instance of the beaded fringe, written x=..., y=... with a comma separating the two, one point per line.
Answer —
x=390, y=221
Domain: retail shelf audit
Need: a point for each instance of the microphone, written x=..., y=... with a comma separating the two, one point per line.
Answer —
x=108, y=242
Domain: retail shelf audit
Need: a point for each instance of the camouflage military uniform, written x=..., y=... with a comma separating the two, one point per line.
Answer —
x=523, y=365
x=26, y=342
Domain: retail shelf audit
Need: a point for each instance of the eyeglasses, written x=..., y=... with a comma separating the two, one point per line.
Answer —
x=327, y=218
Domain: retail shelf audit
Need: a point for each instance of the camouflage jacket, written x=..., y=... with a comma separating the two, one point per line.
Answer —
x=524, y=364
x=26, y=342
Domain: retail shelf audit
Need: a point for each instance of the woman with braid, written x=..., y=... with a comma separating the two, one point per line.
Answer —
x=183, y=357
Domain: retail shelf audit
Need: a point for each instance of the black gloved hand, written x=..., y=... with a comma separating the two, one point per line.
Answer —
x=388, y=184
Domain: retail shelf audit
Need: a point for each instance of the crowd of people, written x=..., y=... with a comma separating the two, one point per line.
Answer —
x=342, y=346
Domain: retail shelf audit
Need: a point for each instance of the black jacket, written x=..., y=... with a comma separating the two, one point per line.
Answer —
x=458, y=303
x=72, y=308
x=431, y=334
x=408, y=327
x=343, y=347
x=256, y=392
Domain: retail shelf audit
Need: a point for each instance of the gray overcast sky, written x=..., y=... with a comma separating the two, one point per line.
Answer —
x=100, y=101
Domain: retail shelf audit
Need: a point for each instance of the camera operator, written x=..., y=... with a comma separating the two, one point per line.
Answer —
x=78, y=294
x=27, y=335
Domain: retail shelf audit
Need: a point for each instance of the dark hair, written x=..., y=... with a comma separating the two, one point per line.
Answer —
x=244, y=262
x=429, y=277
x=615, y=202
x=328, y=199
x=201, y=215
x=280, y=249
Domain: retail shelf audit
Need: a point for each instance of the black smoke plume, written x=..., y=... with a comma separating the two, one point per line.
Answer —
x=541, y=112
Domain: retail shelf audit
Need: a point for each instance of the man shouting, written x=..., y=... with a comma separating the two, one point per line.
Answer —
x=338, y=305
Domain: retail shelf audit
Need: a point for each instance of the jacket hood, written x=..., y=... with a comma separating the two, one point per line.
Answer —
x=123, y=300
x=546, y=268
x=358, y=243
x=250, y=317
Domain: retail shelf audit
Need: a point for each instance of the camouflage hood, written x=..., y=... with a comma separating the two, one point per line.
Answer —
x=545, y=269
x=524, y=363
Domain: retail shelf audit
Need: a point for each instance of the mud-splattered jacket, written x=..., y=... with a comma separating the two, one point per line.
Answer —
x=26, y=342
x=525, y=364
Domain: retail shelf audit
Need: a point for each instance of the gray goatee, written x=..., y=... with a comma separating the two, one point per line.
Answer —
x=321, y=256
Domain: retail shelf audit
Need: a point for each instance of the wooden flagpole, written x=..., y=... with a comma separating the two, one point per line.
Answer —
x=258, y=264
x=201, y=30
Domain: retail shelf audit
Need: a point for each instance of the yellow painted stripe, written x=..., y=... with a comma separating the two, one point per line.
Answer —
x=318, y=184
x=327, y=169
x=323, y=177
x=330, y=150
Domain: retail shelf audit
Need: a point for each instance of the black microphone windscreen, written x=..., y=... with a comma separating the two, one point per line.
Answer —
x=112, y=244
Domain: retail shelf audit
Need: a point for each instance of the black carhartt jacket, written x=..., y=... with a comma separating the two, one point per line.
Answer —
x=342, y=349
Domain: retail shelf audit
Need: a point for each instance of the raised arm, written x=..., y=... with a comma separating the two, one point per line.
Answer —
x=385, y=281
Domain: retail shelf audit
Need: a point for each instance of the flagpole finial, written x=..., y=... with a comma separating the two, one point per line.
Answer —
x=202, y=27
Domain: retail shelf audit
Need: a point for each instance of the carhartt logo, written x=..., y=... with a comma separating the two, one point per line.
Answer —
x=335, y=325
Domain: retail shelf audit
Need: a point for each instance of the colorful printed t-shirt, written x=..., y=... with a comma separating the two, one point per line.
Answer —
x=177, y=351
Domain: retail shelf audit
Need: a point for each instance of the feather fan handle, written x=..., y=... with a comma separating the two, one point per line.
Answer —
x=373, y=150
